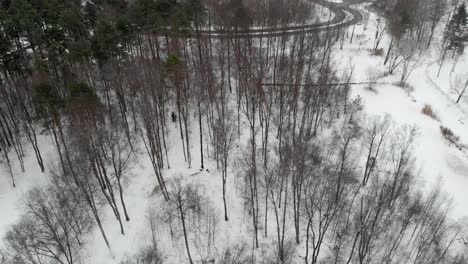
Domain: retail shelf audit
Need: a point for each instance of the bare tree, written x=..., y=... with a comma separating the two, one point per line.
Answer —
x=119, y=158
x=224, y=134
x=375, y=132
x=51, y=228
x=187, y=204
x=372, y=78
x=379, y=33
x=412, y=56
x=459, y=85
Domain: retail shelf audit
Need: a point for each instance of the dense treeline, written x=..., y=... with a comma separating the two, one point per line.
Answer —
x=320, y=180
x=413, y=24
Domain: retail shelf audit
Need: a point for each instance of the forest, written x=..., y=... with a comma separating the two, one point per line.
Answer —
x=242, y=122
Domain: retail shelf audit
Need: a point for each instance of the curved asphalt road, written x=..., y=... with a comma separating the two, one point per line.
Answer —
x=344, y=15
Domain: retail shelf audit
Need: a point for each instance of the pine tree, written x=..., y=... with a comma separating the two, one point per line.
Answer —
x=461, y=20
x=458, y=28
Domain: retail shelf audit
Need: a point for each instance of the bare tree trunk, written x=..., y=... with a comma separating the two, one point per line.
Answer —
x=201, y=135
x=184, y=228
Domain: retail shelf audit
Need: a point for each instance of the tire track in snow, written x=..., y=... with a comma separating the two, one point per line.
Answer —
x=431, y=81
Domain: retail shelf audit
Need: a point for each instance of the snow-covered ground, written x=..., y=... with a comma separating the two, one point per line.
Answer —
x=436, y=159
x=141, y=203
x=11, y=198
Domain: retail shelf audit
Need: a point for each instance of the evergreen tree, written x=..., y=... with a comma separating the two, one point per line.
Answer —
x=461, y=17
x=105, y=42
x=457, y=29
x=47, y=103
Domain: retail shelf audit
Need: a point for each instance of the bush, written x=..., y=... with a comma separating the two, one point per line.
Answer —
x=46, y=99
x=427, y=110
x=407, y=87
x=172, y=62
x=81, y=90
x=377, y=52
x=372, y=78
x=449, y=135
x=146, y=255
x=237, y=254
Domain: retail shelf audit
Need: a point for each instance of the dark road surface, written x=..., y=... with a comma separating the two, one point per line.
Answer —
x=344, y=16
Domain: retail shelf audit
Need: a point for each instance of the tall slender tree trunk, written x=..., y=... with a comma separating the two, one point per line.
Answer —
x=201, y=135
x=184, y=228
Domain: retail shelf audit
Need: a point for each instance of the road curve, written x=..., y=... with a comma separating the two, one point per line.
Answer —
x=344, y=16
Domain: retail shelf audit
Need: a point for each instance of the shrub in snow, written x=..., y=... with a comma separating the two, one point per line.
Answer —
x=427, y=110
x=449, y=135
x=274, y=255
x=237, y=254
x=377, y=52
x=147, y=255
x=372, y=77
x=405, y=86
